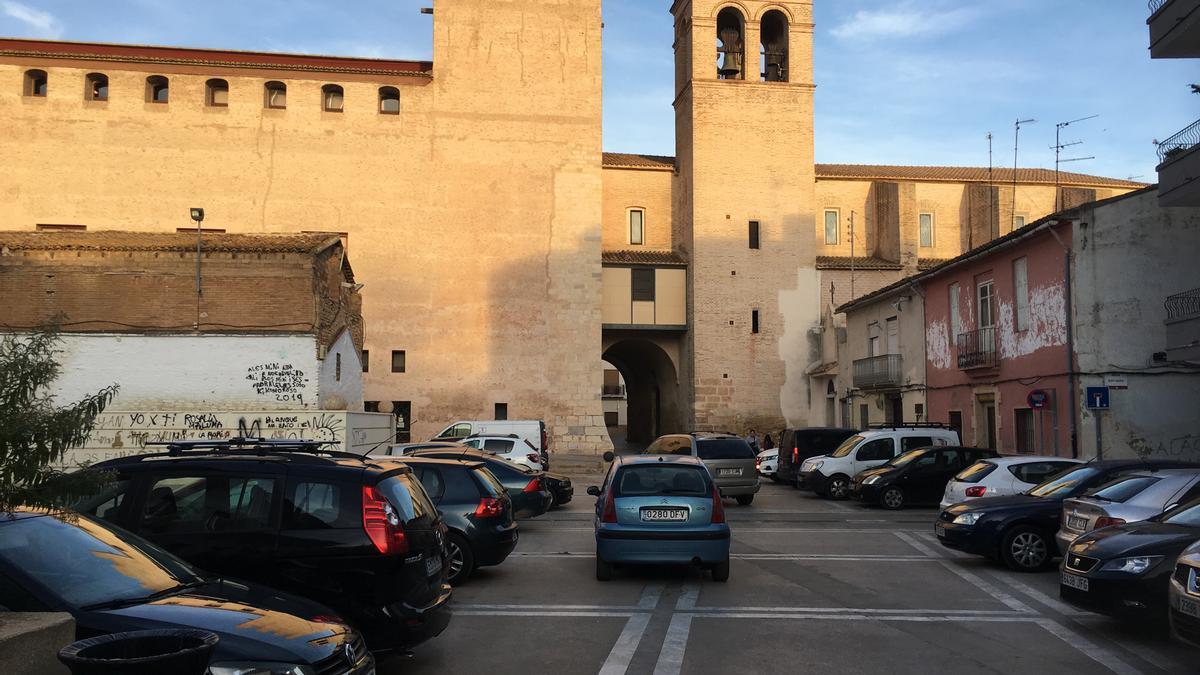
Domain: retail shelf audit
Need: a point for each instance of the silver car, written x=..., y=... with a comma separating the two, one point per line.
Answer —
x=729, y=459
x=1129, y=498
x=1185, y=596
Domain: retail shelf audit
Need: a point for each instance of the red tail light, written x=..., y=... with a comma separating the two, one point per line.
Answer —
x=976, y=491
x=489, y=507
x=795, y=455
x=381, y=523
x=534, y=486
x=326, y=618
x=1105, y=521
x=718, y=509
x=610, y=508
x=536, y=459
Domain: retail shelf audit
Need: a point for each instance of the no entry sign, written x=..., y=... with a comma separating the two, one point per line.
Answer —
x=1038, y=399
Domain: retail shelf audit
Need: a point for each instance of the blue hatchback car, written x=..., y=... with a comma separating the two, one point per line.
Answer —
x=660, y=510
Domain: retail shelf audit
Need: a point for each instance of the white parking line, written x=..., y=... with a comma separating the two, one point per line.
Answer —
x=1102, y=655
x=670, y=659
x=965, y=613
x=548, y=608
x=937, y=546
x=650, y=596
x=540, y=612
x=929, y=618
x=688, y=596
x=975, y=580
x=627, y=643
x=1049, y=601
x=909, y=558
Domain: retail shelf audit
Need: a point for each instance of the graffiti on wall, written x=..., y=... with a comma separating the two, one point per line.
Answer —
x=1185, y=447
x=277, y=381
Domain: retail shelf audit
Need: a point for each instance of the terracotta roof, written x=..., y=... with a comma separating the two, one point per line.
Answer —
x=628, y=161
x=188, y=56
x=119, y=240
x=838, y=262
x=930, y=263
x=950, y=174
x=642, y=258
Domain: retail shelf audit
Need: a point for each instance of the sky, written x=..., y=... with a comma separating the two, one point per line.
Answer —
x=898, y=81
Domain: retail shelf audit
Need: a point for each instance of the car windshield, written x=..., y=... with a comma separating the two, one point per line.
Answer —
x=975, y=473
x=1065, y=484
x=86, y=563
x=724, y=448
x=905, y=458
x=847, y=446
x=1122, y=489
x=1187, y=515
x=662, y=479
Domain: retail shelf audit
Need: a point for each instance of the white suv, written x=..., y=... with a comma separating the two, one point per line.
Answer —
x=511, y=447
x=832, y=475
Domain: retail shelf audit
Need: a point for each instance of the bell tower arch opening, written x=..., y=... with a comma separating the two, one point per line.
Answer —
x=650, y=387
x=774, y=34
x=731, y=44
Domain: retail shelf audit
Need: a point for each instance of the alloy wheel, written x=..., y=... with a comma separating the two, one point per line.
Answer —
x=456, y=560
x=838, y=488
x=893, y=498
x=1029, y=549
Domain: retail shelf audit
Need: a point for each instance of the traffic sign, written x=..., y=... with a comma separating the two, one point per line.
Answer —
x=1097, y=398
x=1038, y=399
x=1116, y=381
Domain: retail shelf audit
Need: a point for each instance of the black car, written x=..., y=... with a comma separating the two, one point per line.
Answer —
x=915, y=477
x=797, y=445
x=530, y=496
x=1125, y=570
x=560, y=487
x=359, y=536
x=474, y=506
x=111, y=581
x=1019, y=529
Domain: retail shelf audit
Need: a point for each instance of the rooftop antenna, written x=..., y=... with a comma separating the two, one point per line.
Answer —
x=1058, y=148
x=1016, y=145
x=991, y=186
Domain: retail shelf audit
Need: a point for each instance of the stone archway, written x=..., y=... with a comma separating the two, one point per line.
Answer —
x=651, y=387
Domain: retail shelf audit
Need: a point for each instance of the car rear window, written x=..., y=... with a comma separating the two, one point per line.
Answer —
x=1122, y=489
x=662, y=479
x=901, y=460
x=724, y=448
x=975, y=473
x=1064, y=485
x=488, y=480
x=406, y=494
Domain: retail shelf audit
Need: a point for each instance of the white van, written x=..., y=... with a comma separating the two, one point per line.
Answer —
x=832, y=475
x=533, y=431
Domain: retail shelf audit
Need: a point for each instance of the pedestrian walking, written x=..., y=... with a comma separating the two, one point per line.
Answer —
x=752, y=439
x=768, y=442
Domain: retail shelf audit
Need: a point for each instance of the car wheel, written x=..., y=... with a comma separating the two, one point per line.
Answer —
x=892, y=498
x=462, y=560
x=744, y=500
x=720, y=572
x=604, y=571
x=1025, y=549
x=838, y=488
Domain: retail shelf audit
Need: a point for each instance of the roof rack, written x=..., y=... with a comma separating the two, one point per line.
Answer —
x=909, y=425
x=492, y=436
x=260, y=446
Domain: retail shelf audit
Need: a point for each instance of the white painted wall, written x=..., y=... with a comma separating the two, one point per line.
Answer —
x=185, y=372
x=341, y=388
x=1129, y=256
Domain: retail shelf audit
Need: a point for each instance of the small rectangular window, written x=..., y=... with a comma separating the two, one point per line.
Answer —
x=832, y=218
x=501, y=411
x=1018, y=222
x=754, y=234
x=1021, y=294
x=337, y=368
x=637, y=227
x=754, y=321
x=398, y=361
x=926, y=230
x=643, y=285
x=366, y=360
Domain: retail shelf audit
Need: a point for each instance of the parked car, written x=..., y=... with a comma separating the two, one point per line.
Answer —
x=358, y=536
x=767, y=462
x=729, y=459
x=476, y=509
x=1001, y=476
x=914, y=477
x=511, y=447
x=832, y=475
x=1184, y=598
x=530, y=495
x=561, y=489
x=1019, y=529
x=533, y=431
x=398, y=449
x=1125, y=570
x=1127, y=499
x=660, y=510
x=797, y=445
x=112, y=581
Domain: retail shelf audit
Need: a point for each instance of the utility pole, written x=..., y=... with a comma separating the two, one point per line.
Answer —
x=197, y=215
x=1016, y=145
x=1058, y=148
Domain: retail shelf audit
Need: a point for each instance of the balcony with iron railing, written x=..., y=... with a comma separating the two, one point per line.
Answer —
x=613, y=391
x=1183, y=325
x=977, y=349
x=1174, y=29
x=1179, y=167
x=877, y=372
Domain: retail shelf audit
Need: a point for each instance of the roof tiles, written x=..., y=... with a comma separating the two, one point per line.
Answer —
x=119, y=240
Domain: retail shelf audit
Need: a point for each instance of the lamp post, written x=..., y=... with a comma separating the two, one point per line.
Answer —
x=198, y=216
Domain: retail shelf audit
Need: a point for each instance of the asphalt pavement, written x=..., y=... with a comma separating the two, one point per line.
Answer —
x=815, y=586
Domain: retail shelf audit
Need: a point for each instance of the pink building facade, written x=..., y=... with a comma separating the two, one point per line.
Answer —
x=998, y=343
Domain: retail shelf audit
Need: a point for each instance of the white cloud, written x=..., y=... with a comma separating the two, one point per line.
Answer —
x=44, y=24
x=906, y=19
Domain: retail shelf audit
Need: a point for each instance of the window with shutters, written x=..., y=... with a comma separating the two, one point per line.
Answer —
x=216, y=93
x=754, y=234
x=643, y=285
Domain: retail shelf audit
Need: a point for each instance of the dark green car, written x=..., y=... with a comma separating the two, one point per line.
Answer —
x=530, y=495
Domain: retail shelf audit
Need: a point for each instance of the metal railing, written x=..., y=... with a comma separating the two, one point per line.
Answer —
x=1183, y=305
x=878, y=371
x=977, y=349
x=1156, y=5
x=1180, y=142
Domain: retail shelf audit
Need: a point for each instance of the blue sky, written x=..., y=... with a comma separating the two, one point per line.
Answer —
x=899, y=81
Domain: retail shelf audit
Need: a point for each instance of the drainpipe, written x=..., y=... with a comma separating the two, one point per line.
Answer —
x=1073, y=403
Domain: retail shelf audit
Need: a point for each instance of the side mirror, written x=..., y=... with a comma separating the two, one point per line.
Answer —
x=593, y=491
x=609, y=456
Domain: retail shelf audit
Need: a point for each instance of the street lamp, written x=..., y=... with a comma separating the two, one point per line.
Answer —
x=198, y=216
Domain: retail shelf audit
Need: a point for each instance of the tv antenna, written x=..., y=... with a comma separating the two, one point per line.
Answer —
x=991, y=185
x=1058, y=147
x=1016, y=145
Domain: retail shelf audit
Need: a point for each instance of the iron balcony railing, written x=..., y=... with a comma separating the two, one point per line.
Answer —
x=1156, y=5
x=1179, y=143
x=1185, y=305
x=977, y=349
x=878, y=371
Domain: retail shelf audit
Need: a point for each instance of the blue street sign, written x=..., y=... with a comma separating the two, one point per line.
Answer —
x=1097, y=398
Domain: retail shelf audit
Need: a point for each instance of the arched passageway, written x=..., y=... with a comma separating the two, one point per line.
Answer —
x=651, y=389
